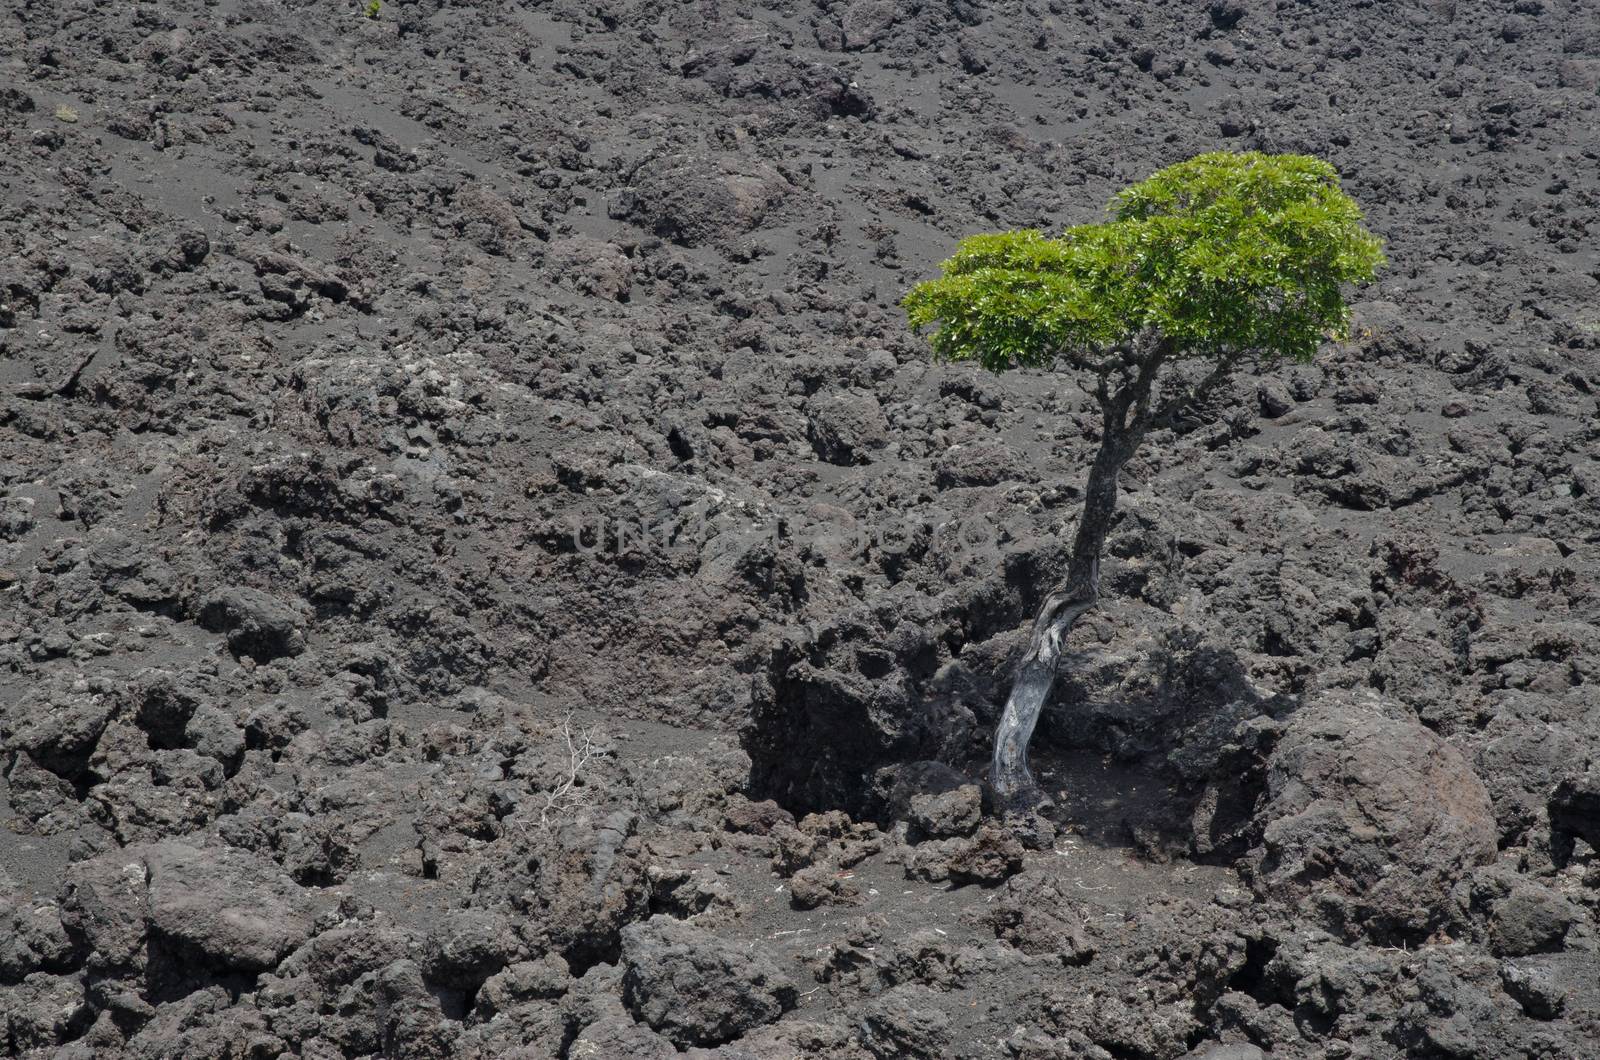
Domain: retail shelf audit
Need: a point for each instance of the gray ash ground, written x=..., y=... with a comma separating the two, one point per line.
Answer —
x=323, y=335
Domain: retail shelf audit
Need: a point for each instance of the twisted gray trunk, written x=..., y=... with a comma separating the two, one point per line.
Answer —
x=1127, y=415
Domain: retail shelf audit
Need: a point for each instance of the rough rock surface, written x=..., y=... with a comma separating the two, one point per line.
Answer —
x=467, y=491
x=1371, y=818
x=695, y=988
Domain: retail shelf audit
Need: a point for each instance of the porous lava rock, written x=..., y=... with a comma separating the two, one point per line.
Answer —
x=698, y=989
x=1371, y=818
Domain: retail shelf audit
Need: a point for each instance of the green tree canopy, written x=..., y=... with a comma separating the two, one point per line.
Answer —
x=1224, y=256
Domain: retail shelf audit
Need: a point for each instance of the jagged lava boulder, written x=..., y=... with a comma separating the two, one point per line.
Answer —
x=695, y=988
x=1370, y=816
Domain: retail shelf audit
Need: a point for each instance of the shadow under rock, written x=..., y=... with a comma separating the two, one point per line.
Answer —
x=1139, y=750
x=1162, y=752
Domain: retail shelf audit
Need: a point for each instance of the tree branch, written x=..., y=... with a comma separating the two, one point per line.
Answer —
x=1135, y=396
x=1173, y=407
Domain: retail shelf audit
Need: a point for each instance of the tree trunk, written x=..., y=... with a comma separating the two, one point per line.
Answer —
x=1127, y=415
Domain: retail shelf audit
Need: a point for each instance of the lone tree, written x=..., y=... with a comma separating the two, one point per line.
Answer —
x=1225, y=259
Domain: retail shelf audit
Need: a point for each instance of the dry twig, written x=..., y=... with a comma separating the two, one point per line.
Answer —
x=581, y=747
